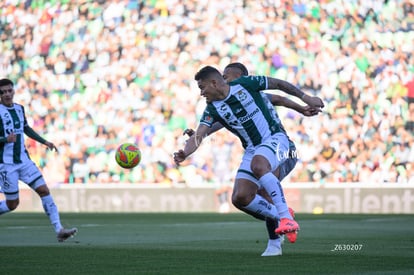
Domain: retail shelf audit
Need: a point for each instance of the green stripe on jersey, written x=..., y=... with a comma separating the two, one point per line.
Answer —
x=17, y=146
x=260, y=101
x=2, y=134
x=212, y=109
x=254, y=84
x=249, y=125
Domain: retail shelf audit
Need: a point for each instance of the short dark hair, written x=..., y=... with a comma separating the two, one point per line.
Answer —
x=5, y=82
x=206, y=73
x=239, y=66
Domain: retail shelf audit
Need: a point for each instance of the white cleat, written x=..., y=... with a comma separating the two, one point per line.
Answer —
x=64, y=234
x=274, y=248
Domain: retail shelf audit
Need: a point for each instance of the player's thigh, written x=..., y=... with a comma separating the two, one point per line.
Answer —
x=9, y=181
x=30, y=174
x=245, y=171
x=244, y=191
x=275, y=150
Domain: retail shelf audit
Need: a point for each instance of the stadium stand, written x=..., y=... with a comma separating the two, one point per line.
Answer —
x=95, y=74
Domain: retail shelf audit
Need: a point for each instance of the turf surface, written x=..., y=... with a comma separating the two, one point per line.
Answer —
x=205, y=244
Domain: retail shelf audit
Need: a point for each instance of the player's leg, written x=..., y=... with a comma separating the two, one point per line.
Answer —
x=274, y=244
x=245, y=198
x=244, y=195
x=260, y=208
x=271, y=224
x=263, y=163
x=32, y=176
x=9, y=183
x=281, y=172
x=267, y=158
x=285, y=168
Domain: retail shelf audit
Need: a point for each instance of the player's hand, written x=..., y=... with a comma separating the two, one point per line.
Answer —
x=179, y=157
x=313, y=101
x=51, y=146
x=11, y=137
x=310, y=111
x=189, y=132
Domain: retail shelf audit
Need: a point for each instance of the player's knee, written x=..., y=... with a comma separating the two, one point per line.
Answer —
x=241, y=199
x=258, y=172
x=42, y=190
x=238, y=202
x=12, y=204
x=259, y=166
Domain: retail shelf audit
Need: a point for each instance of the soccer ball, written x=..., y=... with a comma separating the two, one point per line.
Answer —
x=128, y=155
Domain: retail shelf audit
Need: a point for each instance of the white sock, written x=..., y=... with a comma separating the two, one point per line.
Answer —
x=262, y=206
x=3, y=207
x=272, y=185
x=52, y=212
x=275, y=242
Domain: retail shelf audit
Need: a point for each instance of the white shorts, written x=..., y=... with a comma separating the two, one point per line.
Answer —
x=287, y=167
x=10, y=174
x=275, y=150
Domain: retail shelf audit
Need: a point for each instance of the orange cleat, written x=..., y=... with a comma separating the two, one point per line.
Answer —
x=292, y=236
x=287, y=226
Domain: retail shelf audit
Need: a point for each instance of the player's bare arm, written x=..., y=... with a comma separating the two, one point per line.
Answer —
x=278, y=100
x=33, y=135
x=216, y=126
x=278, y=84
x=192, y=144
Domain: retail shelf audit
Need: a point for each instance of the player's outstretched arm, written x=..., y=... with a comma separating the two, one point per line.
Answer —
x=192, y=144
x=33, y=135
x=216, y=126
x=312, y=101
x=278, y=100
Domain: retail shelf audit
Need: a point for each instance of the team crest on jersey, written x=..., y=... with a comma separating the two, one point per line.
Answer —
x=208, y=119
x=241, y=95
x=238, y=111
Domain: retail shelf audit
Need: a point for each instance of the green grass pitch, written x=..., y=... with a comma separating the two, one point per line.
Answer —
x=182, y=243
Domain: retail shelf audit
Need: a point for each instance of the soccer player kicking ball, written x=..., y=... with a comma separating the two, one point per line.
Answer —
x=245, y=187
x=240, y=107
x=15, y=163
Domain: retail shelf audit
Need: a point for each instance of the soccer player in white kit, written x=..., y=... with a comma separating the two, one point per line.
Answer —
x=241, y=109
x=15, y=162
x=232, y=72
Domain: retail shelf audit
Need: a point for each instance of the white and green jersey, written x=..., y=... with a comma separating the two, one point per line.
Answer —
x=267, y=98
x=245, y=112
x=13, y=119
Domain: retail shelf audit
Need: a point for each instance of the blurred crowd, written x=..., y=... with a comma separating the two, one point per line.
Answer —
x=95, y=74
